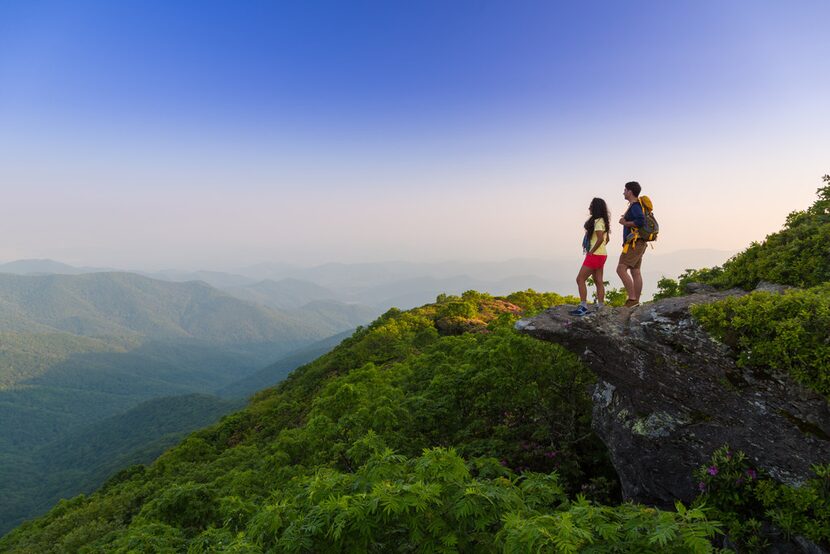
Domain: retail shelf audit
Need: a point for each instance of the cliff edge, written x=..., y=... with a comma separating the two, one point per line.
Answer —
x=668, y=395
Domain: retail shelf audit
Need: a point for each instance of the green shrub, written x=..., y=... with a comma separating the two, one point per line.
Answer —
x=434, y=503
x=747, y=501
x=186, y=506
x=789, y=332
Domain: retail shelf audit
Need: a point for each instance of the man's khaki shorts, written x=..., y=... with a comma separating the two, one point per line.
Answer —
x=634, y=257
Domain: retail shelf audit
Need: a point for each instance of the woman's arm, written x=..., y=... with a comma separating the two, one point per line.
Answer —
x=600, y=236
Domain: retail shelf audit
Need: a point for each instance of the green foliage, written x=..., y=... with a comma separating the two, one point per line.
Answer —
x=667, y=288
x=404, y=438
x=434, y=503
x=788, y=331
x=748, y=501
x=149, y=538
x=187, y=506
x=587, y=528
x=315, y=454
x=670, y=288
x=613, y=297
x=532, y=302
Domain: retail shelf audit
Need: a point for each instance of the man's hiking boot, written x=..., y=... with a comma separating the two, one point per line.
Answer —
x=631, y=303
x=580, y=311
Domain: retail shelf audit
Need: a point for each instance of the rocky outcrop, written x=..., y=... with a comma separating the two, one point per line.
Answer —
x=668, y=395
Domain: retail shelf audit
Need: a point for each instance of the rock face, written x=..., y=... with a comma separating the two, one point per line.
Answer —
x=668, y=395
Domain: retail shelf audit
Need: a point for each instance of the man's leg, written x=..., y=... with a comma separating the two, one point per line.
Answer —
x=628, y=282
x=637, y=283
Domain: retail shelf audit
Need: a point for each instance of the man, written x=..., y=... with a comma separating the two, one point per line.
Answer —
x=632, y=256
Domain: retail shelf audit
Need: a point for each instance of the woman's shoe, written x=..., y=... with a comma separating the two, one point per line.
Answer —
x=631, y=303
x=580, y=311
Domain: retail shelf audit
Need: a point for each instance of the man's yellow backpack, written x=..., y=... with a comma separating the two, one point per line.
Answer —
x=648, y=232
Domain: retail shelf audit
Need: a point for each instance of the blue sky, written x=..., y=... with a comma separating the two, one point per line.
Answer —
x=218, y=133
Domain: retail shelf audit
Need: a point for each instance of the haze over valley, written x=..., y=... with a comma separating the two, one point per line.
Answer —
x=78, y=352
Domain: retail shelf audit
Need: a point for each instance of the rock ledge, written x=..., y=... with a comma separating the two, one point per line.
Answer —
x=668, y=395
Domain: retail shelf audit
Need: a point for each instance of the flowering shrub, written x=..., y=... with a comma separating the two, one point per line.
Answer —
x=750, y=503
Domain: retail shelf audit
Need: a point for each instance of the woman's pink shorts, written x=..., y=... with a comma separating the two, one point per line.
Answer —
x=594, y=262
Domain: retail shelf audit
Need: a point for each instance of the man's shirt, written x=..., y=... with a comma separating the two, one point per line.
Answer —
x=633, y=213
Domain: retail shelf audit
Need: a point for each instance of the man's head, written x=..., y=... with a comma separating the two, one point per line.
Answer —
x=632, y=190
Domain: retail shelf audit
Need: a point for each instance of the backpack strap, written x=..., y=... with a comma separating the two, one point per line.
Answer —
x=632, y=241
x=635, y=231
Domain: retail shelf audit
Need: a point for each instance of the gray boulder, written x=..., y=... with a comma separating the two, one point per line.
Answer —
x=668, y=395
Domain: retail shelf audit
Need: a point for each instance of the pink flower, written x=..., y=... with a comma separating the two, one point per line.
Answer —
x=713, y=470
x=701, y=486
x=752, y=473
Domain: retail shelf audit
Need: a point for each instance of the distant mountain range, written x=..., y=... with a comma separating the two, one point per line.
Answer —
x=126, y=305
x=45, y=267
x=403, y=284
x=79, y=350
x=286, y=293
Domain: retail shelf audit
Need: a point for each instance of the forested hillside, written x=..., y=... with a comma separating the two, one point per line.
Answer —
x=78, y=349
x=279, y=370
x=438, y=428
x=82, y=459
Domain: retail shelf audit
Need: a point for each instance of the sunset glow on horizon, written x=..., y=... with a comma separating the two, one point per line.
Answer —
x=220, y=134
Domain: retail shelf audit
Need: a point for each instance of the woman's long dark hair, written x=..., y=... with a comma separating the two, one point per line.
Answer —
x=597, y=209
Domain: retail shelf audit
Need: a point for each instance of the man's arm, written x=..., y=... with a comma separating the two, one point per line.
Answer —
x=638, y=218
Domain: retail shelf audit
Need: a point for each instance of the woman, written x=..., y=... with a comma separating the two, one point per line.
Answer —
x=596, y=237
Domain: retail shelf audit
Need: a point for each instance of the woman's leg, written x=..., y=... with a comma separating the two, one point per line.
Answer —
x=581, y=277
x=597, y=274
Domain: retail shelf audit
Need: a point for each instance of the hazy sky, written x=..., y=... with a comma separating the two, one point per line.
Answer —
x=214, y=134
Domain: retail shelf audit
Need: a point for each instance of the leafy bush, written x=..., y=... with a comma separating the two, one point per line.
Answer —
x=587, y=528
x=434, y=503
x=669, y=288
x=749, y=502
x=789, y=331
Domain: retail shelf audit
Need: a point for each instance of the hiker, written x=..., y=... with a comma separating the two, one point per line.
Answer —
x=593, y=244
x=633, y=248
